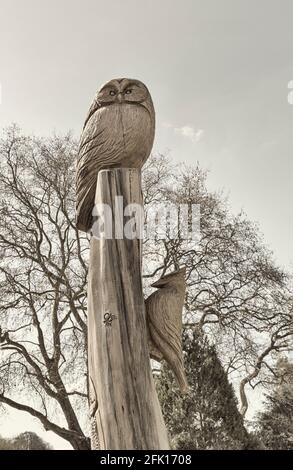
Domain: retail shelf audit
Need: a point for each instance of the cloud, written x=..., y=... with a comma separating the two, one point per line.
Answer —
x=195, y=135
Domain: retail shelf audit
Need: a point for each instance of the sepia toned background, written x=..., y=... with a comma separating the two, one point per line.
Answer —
x=218, y=73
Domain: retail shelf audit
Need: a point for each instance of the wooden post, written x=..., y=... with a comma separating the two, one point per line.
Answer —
x=124, y=402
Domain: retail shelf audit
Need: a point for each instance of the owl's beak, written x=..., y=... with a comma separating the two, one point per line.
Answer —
x=119, y=97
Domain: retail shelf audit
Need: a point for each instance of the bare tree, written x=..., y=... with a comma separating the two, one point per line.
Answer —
x=236, y=294
x=259, y=368
x=43, y=282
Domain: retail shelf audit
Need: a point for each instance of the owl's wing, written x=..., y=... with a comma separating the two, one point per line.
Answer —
x=93, y=108
x=90, y=160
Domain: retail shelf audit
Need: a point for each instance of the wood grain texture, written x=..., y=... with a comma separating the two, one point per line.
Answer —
x=118, y=132
x=127, y=410
x=164, y=320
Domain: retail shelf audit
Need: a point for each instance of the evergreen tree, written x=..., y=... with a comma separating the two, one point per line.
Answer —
x=276, y=422
x=24, y=441
x=207, y=417
x=4, y=444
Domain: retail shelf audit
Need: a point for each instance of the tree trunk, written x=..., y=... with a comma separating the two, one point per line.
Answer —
x=80, y=444
x=124, y=403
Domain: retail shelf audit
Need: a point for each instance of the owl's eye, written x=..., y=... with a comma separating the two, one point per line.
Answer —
x=112, y=93
x=128, y=91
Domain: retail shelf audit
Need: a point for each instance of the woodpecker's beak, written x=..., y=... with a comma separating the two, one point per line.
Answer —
x=180, y=273
x=159, y=283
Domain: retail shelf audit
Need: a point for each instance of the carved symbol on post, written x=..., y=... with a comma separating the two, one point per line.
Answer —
x=108, y=318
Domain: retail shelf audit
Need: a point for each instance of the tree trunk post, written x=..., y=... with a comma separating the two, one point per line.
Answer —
x=124, y=405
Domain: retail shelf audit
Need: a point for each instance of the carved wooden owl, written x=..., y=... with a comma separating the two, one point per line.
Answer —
x=118, y=132
x=164, y=321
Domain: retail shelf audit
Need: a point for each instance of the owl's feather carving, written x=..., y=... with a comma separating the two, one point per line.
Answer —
x=164, y=321
x=118, y=132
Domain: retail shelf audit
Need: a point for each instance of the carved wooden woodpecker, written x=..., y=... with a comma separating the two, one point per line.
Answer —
x=164, y=320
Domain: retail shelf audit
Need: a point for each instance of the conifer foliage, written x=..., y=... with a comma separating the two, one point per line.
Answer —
x=276, y=422
x=207, y=417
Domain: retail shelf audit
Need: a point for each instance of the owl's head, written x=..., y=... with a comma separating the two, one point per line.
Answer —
x=124, y=90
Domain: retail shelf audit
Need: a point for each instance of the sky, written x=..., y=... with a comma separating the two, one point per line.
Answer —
x=218, y=72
